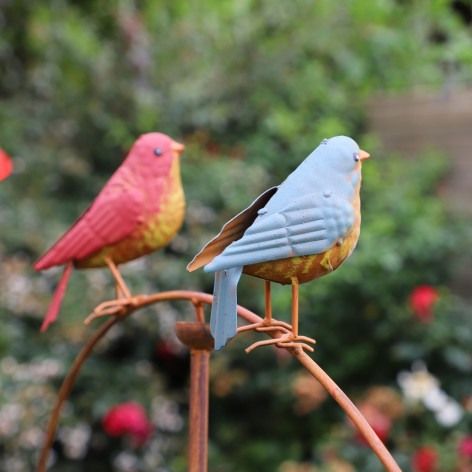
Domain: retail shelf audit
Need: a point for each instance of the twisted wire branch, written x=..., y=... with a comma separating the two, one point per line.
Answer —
x=199, y=299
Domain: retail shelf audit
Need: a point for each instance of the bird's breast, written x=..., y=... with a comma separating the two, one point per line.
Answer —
x=160, y=227
x=305, y=268
x=161, y=220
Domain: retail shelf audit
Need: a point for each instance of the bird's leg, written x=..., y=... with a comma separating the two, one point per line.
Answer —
x=117, y=290
x=295, y=306
x=290, y=338
x=267, y=324
x=293, y=339
x=119, y=282
x=113, y=307
x=268, y=302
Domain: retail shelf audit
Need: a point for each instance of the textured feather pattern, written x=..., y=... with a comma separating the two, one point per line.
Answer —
x=306, y=229
x=224, y=320
x=138, y=211
x=308, y=225
x=111, y=217
x=231, y=231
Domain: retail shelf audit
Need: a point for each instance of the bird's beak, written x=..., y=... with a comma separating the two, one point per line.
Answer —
x=177, y=147
x=363, y=155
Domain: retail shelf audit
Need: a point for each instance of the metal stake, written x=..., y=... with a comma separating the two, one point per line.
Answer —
x=197, y=337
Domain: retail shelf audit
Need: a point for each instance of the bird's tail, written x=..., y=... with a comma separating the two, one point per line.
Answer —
x=53, y=309
x=224, y=318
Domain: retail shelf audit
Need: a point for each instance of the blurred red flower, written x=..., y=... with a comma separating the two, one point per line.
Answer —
x=422, y=300
x=6, y=165
x=379, y=422
x=424, y=459
x=381, y=406
x=128, y=419
x=166, y=351
x=309, y=393
x=464, y=447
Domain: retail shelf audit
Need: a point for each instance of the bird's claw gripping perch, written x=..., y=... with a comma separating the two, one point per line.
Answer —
x=266, y=326
x=112, y=307
x=286, y=341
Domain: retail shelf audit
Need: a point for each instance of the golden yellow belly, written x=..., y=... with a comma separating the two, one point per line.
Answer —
x=155, y=232
x=305, y=268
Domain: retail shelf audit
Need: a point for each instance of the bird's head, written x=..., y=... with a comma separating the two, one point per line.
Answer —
x=342, y=154
x=155, y=153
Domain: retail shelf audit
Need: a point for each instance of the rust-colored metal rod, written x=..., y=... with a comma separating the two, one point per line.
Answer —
x=66, y=388
x=139, y=301
x=295, y=306
x=268, y=301
x=199, y=310
x=346, y=404
x=143, y=300
x=197, y=298
x=198, y=417
x=198, y=338
x=341, y=398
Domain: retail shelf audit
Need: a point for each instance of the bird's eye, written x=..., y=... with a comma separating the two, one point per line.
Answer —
x=158, y=152
x=356, y=156
x=325, y=141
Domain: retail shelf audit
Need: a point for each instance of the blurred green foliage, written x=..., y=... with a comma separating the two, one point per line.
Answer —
x=251, y=87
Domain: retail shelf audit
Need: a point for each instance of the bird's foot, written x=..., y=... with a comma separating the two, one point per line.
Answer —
x=286, y=341
x=265, y=325
x=116, y=307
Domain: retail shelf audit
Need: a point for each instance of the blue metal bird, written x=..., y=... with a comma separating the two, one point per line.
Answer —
x=296, y=232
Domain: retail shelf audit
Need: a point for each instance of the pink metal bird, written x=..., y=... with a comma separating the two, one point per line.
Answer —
x=139, y=211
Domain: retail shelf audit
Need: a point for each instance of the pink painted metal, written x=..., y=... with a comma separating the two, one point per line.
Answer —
x=138, y=211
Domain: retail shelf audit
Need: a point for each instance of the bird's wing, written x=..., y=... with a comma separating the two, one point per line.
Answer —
x=308, y=225
x=231, y=231
x=112, y=216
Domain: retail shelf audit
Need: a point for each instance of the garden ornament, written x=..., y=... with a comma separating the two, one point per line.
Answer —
x=291, y=234
x=139, y=211
x=6, y=165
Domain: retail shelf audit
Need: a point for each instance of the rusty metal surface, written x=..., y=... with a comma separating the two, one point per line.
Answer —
x=195, y=335
x=200, y=373
x=199, y=403
x=346, y=404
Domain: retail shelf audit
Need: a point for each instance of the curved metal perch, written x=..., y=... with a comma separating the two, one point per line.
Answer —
x=198, y=299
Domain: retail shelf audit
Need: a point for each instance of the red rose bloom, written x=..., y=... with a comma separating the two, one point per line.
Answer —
x=379, y=422
x=465, y=447
x=166, y=351
x=424, y=459
x=127, y=419
x=6, y=165
x=422, y=300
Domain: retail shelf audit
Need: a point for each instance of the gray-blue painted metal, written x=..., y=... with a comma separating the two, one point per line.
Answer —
x=307, y=214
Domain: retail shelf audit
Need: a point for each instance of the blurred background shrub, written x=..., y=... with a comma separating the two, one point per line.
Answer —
x=251, y=87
